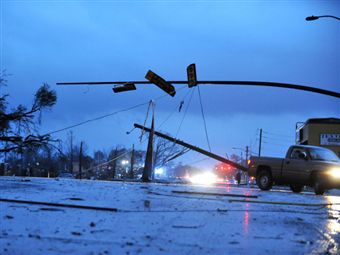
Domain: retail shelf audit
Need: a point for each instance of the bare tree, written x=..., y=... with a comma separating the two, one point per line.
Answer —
x=70, y=150
x=18, y=126
x=165, y=151
x=113, y=162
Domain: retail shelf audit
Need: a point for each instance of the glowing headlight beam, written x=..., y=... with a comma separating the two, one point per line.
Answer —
x=205, y=179
x=335, y=172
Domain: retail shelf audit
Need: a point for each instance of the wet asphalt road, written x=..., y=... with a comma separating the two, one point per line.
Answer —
x=139, y=218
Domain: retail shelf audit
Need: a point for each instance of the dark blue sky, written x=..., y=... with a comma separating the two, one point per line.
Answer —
x=55, y=41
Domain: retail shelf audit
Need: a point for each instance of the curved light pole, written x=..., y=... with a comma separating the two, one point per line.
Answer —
x=311, y=18
x=192, y=81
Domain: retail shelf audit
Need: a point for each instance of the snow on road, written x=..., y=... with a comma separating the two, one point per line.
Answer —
x=151, y=218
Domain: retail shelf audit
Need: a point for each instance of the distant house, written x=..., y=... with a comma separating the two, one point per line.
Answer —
x=324, y=132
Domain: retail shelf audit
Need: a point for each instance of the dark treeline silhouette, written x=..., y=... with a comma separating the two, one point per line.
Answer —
x=115, y=163
x=25, y=152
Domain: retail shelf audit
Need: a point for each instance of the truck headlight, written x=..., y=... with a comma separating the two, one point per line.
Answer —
x=335, y=172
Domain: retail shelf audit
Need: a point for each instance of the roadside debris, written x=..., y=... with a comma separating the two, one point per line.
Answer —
x=76, y=233
x=147, y=203
x=212, y=194
x=59, y=205
x=281, y=203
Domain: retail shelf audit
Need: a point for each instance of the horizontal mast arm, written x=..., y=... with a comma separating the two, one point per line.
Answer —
x=242, y=83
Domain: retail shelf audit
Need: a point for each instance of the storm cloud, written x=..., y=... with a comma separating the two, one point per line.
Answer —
x=228, y=40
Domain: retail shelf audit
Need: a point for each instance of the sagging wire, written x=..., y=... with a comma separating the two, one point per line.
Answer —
x=276, y=134
x=151, y=105
x=106, y=115
x=107, y=162
x=175, y=110
x=176, y=155
x=180, y=106
x=180, y=125
x=205, y=124
x=198, y=161
x=95, y=119
x=169, y=116
x=166, y=119
x=185, y=112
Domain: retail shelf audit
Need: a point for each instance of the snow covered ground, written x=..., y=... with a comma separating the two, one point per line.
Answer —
x=139, y=218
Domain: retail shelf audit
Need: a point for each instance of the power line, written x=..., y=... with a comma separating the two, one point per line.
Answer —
x=151, y=104
x=106, y=115
x=254, y=140
x=95, y=119
x=180, y=125
x=205, y=124
x=275, y=144
x=276, y=134
x=141, y=140
x=185, y=112
x=198, y=161
x=175, y=110
x=107, y=162
x=277, y=139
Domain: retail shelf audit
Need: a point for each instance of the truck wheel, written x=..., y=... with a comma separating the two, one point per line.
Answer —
x=264, y=180
x=296, y=188
x=319, y=189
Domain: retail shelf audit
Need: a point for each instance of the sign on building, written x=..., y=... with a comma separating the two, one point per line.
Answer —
x=330, y=139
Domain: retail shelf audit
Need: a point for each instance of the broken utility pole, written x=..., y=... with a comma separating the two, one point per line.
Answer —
x=148, y=166
x=192, y=147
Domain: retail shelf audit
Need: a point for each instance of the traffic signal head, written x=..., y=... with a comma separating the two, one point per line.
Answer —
x=161, y=83
x=125, y=87
x=191, y=73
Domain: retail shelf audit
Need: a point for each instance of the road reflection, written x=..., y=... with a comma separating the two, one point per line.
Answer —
x=246, y=219
x=333, y=225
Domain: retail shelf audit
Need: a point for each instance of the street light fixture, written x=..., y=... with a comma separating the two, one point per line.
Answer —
x=311, y=18
x=124, y=162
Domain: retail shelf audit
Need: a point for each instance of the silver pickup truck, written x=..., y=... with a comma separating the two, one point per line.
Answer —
x=303, y=165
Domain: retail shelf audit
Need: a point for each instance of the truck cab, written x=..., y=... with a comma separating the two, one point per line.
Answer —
x=303, y=165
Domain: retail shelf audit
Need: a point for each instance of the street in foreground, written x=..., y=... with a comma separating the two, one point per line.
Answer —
x=92, y=217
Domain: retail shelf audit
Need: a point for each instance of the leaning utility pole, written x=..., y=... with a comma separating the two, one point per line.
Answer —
x=192, y=147
x=260, y=143
x=148, y=166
